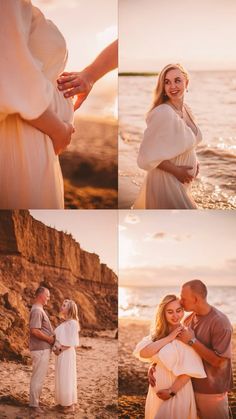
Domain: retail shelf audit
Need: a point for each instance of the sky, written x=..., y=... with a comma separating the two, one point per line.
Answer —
x=171, y=247
x=199, y=34
x=88, y=27
x=95, y=230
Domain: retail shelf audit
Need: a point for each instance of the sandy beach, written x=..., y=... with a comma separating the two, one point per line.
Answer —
x=89, y=165
x=97, y=383
x=133, y=373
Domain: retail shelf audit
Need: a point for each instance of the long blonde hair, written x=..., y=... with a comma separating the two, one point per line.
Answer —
x=159, y=92
x=159, y=328
x=72, y=311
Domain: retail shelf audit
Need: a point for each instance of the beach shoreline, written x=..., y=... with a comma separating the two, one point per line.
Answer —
x=133, y=384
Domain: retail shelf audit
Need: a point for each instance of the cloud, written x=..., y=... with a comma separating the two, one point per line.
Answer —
x=132, y=219
x=166, y=236
x=107, y=36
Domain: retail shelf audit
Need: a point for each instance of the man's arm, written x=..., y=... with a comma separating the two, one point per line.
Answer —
x=42, y=336
x=80, y=83
x=205, y=353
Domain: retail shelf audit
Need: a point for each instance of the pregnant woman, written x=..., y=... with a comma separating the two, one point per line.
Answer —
x=35, y=118
x=67, y=336
x=167, y=151
x=176, y=362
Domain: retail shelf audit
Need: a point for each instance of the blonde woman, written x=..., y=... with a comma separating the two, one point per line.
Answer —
x=167, y=151
x=67, y=338
x=173, y=395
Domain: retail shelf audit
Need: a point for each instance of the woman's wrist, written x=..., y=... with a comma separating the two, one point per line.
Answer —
x=58, y=131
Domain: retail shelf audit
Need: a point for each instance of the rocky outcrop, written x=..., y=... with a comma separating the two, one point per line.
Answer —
x=32, y=254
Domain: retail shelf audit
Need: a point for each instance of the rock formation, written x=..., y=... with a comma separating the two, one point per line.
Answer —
x=32, y=254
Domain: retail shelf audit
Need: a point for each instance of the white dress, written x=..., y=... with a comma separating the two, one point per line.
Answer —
x=33, y=55
x=65, y=367
x=167, y=137
x=174, y=359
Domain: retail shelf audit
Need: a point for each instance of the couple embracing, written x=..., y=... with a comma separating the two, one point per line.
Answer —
x=191, y=369
x=62, y=341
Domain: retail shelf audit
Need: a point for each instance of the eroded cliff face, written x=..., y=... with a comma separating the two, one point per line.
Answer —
x=32, y=254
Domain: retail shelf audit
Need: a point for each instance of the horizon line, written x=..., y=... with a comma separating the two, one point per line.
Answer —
x=155, y=73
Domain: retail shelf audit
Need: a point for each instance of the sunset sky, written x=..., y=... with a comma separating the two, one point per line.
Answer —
x=169, y=247
x=200, y=34
x=88, y=27
x=95, y=230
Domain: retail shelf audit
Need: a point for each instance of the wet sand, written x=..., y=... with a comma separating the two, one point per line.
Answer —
x=89, y=165
x=133, y=382
x=97, y=383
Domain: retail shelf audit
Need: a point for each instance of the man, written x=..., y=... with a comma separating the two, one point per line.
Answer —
x=41, y=340
x=208, y=331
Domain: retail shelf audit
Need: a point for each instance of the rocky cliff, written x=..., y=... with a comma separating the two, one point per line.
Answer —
x=32, y=254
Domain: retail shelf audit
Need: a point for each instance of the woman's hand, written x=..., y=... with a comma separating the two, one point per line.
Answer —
x=164, y=394
x=175, y=333
x=181, y=173
x=151, y=378
x=197, y=173
x=61, y=139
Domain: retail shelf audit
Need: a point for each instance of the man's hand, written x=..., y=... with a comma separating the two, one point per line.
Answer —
x=164, y=394
x=151, y=378
x=37, y=333
x=186, y=335
x=181, y=173
x=75, y=83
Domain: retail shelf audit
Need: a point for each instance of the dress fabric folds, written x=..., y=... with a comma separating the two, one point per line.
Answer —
x=174, y=359
x=33, y=55
x=167, y=137
x=65, y=367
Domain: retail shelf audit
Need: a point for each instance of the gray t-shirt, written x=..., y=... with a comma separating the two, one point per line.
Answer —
x=215, y=332
x=39, y=320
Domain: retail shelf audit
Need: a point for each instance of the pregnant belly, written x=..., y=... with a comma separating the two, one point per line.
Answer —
x=63, y=107
x=189, y=158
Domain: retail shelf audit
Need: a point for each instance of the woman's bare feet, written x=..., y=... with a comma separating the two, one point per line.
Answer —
x=69, y=409
x=37, y=410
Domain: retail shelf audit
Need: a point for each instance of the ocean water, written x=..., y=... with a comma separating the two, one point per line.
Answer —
x=212, y=97
x=141, y=302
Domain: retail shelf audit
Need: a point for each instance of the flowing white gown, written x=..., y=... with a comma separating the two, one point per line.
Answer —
x=174, y=359
x=33, y=55
x=167, y=137
x=65, y=367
